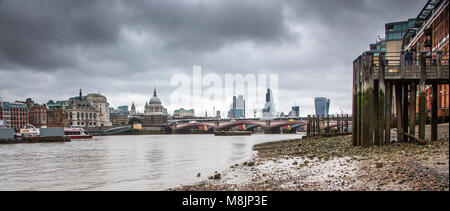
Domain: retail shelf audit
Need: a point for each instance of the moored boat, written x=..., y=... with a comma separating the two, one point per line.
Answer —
x=76, y=133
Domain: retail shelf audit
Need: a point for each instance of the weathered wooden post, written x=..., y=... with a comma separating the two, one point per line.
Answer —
x=434, y=111
x=371, y=98
x=412, y=108
x=346, y=123
x=365, y=103
x=331, y=119
x=328, y=124
x=388, y=110
x=423, y=75
x=368, y=100
x=318, y=124
x=405, y=110
x=359, y=103
x=399, y=112
x=308, y=126
x=354, y=106
x=381, y=99
x=313, y=122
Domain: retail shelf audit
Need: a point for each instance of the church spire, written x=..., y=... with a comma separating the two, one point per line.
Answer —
x=154, y=92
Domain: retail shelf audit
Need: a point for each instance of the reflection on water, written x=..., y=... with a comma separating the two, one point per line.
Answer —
x=123, y=162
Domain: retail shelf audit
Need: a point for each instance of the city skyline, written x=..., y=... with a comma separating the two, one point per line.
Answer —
x=124, y=59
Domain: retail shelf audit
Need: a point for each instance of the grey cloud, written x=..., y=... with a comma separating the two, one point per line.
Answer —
x=121, y=47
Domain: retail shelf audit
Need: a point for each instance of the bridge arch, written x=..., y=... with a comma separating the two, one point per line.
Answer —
x=253, y=124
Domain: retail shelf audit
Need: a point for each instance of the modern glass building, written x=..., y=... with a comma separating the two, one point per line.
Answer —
x=322, y=106
x=295, y=112
x=237, y=108
x=123, y=108
x=269, y=106
x=396, y=30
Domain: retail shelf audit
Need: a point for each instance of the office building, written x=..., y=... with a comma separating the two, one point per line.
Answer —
x=322, y=106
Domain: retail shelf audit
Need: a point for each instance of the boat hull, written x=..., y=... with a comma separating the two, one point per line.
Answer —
x=81, y=137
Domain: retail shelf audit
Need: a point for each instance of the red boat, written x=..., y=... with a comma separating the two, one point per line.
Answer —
x=76, y=133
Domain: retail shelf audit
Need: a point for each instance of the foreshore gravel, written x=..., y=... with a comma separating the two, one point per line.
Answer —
x=330, y=164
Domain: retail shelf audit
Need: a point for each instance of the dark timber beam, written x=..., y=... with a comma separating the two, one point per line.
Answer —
x=388, y=109
x=412, y=108
x=423, y=71
x=434, y=111
x=399, y=112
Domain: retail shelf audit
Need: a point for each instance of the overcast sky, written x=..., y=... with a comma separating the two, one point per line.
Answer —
x=49, y=49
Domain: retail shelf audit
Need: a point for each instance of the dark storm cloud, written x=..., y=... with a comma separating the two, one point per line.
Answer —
x=47, y=35
x=125, y=48
x=43, y=35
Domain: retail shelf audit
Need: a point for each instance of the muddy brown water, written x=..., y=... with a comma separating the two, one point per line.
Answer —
x=154, y=162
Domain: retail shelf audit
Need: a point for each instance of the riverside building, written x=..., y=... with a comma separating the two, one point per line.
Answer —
x=88, y=111
x=431, y=34
x=155, y=114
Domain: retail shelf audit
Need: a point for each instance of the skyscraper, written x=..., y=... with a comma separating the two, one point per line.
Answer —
x=295, y=112
x=237, y=108
x=322, y=106
x=269, y=105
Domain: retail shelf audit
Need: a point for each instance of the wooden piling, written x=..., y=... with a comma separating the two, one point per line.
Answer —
x=398, y=109
x=434, y=111
x=412, y=108
x=371, y=98
x=346, y=124
x=328, y=127
x=308, y=126
x=422, y=94
x=313, y=122
x=388, y=110
x=367, y=101
x=318, y=124
x=381, y=100
x=354, y=106
x=359, y=103
x=405, y=109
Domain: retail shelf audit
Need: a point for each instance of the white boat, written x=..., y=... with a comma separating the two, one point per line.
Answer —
x=29, y=131
x=76, y=133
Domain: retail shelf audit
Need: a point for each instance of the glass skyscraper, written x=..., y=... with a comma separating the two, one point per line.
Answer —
x=322, y=106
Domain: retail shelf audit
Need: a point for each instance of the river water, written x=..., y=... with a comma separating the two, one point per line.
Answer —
x=155, y=162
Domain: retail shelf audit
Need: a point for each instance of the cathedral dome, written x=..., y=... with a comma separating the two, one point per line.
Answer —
x=155, y=99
